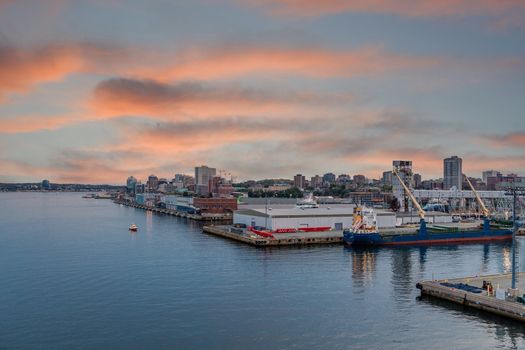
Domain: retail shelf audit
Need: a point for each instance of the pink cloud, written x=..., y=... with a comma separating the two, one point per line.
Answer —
x=311, y=62
x=409, y=8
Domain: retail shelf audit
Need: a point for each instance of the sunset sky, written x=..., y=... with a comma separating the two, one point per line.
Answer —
x=95, y=91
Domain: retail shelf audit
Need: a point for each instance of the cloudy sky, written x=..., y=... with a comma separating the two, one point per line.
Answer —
x=95, y=91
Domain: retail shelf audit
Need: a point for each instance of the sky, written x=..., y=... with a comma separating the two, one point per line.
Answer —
x=96, y=91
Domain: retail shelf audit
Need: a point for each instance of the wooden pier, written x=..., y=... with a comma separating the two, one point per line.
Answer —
x=281, y=239
x=509, y=304
x=202, y=217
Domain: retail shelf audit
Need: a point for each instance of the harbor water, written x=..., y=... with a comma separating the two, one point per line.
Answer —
x=74, y=277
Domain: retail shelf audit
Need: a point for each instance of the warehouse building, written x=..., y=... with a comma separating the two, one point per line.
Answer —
x=295, y=218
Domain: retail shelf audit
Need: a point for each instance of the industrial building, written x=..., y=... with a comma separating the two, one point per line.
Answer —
x=295, y=218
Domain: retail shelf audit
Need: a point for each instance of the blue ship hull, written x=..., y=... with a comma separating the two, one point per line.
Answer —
x=423, y=236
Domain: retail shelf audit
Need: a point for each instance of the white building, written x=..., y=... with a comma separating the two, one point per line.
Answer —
x=274, y=219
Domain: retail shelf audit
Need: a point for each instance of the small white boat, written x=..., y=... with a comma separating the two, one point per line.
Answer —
x=133, y=228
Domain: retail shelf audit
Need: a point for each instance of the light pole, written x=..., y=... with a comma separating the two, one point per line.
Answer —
x=515, y=191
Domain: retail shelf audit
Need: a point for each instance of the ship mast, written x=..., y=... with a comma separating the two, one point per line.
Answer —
x=420, y=210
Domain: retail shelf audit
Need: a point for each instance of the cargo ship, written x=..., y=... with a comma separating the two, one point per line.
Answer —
x=364, y=230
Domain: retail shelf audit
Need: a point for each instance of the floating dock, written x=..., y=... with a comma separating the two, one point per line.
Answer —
x=469, y=291
x=197, y=217
x=280, y=239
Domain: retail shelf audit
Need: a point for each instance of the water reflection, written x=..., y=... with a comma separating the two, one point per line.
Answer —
x=507, y=332
x=422, y=258
x=401, y=273
x=485, y=260
x=507, y=263
x=363, y=264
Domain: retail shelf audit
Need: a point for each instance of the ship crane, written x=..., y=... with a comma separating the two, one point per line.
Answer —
x=420, y=210
x=482, y=206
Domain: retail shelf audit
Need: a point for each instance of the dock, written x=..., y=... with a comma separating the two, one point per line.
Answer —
x=198, y=217
x=280, y=239
x=469, y=291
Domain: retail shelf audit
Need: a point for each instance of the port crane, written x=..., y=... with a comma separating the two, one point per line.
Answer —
x=483, y=208
x=420, y=210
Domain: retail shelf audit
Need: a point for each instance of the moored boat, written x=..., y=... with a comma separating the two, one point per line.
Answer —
x=133, y=228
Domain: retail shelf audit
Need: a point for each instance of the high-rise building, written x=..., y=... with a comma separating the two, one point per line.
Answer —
x=417, y=181
x=153, y=183
x=359, y=180
x=452, y=173
x=404, y=170
x=343, y=179
x=387, y=178
x=316, y=181
x=329, y=178
x=203, y=175
x=299, y=181
x=130, y=184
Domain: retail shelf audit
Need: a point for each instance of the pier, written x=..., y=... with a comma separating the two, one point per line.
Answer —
x=280, y=239
x=198, y=217
x=469, y=291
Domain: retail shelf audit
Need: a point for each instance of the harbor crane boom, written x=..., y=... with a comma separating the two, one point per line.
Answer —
x=420, y=210
x=482, y=206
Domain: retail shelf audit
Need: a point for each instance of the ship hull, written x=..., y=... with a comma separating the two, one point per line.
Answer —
x=423, y=237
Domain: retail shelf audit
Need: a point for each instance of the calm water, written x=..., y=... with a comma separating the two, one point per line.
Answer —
x=73, y=277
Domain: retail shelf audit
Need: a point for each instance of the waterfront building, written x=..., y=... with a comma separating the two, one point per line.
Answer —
x=452, y=173
x=203, y=175
x=299, y=181
x=215, y=205
x=296, y=218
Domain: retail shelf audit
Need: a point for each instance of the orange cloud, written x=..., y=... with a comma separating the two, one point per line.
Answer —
x=409, y=8
x=310, y=62
x=23, y=68
x=516, y=139
x=31, y=123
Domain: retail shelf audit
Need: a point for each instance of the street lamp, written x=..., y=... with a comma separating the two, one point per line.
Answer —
x=515, y=191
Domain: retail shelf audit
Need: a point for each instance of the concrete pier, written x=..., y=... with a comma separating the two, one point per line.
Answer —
x=197, y=217
x=280, y=239
x=502, y=301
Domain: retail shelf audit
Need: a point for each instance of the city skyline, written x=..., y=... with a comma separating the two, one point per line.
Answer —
x=92, y=92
